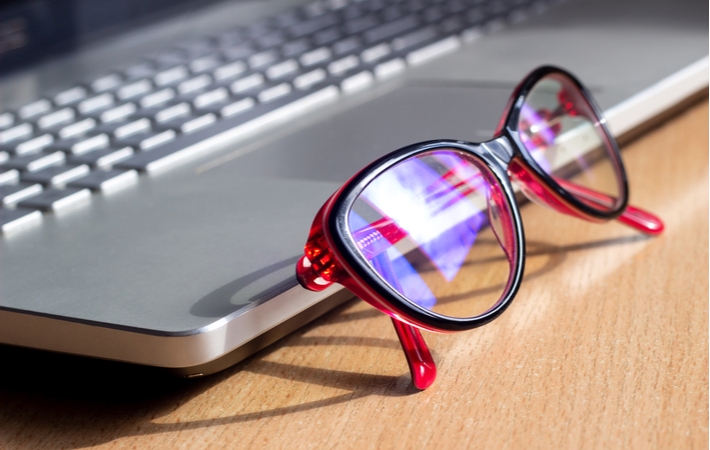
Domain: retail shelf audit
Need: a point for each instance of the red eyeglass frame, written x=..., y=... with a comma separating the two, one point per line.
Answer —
x=331, y=256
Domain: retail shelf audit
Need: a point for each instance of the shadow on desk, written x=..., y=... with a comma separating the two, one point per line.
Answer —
x=82, y=402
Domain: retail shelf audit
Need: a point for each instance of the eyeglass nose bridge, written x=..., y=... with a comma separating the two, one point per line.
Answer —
x=500, y=149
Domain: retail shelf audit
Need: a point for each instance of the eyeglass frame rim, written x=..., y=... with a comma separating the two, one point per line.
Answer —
x=335, y=218
x=509, y=129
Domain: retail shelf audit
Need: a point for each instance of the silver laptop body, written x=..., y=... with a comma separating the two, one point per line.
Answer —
x=190, y=265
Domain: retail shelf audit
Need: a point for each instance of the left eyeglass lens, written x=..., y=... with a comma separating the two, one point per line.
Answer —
x=436, y=228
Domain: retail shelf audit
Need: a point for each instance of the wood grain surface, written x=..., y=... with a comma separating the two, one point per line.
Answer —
x=606, y=346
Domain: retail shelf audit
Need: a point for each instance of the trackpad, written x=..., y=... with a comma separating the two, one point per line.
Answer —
x=334, y=149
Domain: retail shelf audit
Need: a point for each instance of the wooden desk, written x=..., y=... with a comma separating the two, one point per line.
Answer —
x=606, y=346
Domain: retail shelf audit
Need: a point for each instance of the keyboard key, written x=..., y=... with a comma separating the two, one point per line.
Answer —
x=56, y=200
x=237, y=107
x=106, y=180
x=34, y=145
x=247, y=83
x=6, y=119
x=311, y=26
x=357, y=82
x=238, y=52
x=360, y=24
x=433, y=14
x=190, y=124
x=101, y=101
x=455, y=6
x=104, y=158
x=194, y=84
x=259, y=28
x=81, y=145
x=134, y=90
x=391, y=29
x=35, y=109
x=10, y=194
x=147, y=141
x=32, y=163
x=198, y=123
x=172, y=112
x=375, y=53
x=314, y=9
x=118, y=113
x=352, y=11
x=59, y=117
x=230, y=38
x=434, y=50
x=171, y=76
x=170, y=58
x=275, y=92
x=12, y=220
x=78, y=128
x=219, y=95
x=348, y=45
x=8, y=176
x=316, y=56
x=337, y=4
x=263, y=59
x=287, y=18
x=142, y=70
x=157, y=98
x=123, y=129
x=328, y=36
x=55, y=175
x=70, y=96
x=21, y=131
x=390, y=68
x=270, y=40
x=230, y=70
x=309, y=79
x=392, y=12
x=106, y=82
x=204, y=64
x=452, y=25
x=295, y=48
x=198, y=47
x=343, y=65
x=282, y=69
x=414, y=38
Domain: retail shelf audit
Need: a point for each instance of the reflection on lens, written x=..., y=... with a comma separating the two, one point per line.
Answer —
x=434, y=228
x=559, y=128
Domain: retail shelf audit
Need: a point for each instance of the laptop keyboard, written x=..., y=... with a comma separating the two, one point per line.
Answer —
x=98, y=136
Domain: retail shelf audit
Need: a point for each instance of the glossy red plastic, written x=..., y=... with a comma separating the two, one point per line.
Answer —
x=636, y=218
x=332, y=256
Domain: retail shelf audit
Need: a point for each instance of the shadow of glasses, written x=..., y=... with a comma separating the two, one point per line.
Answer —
x=89, y=402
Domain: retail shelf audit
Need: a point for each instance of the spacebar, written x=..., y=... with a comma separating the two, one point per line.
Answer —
x=226, y=130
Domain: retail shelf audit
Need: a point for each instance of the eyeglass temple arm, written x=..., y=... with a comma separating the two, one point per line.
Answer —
x=419, y=359
x=634, y=217
x=421, y=364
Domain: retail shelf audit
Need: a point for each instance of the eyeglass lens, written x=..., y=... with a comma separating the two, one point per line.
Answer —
x=436, y=228
x=559, y=128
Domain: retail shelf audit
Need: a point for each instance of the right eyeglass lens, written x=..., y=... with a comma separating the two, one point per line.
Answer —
x=560, y=130
x=437, y=229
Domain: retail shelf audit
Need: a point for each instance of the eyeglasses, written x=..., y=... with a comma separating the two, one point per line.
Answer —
x=431, y=234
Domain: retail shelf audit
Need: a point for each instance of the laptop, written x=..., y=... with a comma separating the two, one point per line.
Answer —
x=162, y=161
